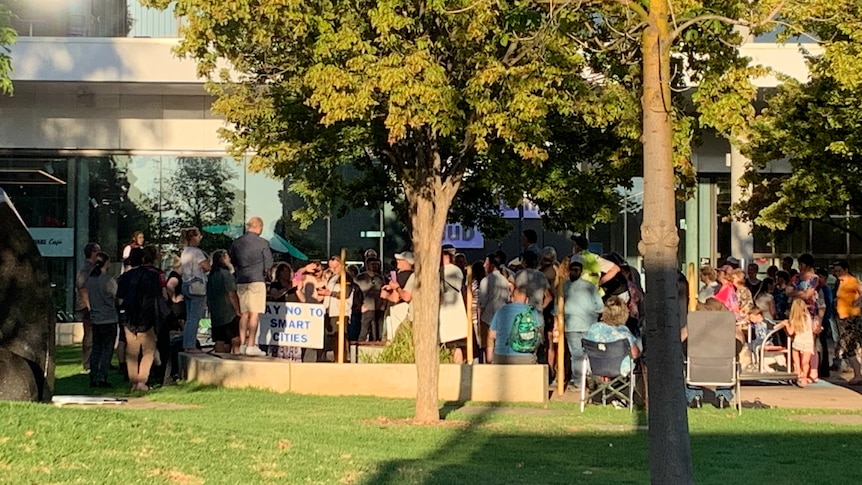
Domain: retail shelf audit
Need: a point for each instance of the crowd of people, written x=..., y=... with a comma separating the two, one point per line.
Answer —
x=812, y=313
x=513, y=312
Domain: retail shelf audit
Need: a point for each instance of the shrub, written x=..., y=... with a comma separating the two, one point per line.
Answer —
x=400, y=349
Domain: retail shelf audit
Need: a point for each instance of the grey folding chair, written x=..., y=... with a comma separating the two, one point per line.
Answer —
x=712, y=358
x=604, y=360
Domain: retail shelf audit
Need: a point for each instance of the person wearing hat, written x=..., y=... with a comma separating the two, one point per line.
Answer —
x=732, y=262
x=583, y=305
x=453, y=313
x=399, y=293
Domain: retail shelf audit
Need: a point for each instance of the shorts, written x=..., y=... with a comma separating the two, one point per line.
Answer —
x=252, y=297
x=226, y=333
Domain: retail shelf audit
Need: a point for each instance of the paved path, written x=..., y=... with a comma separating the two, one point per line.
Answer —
x=822, y=395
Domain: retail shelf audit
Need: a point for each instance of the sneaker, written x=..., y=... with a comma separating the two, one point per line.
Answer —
x=723, y=403
x=254, y=351
x=242, y=349
x=695, y=403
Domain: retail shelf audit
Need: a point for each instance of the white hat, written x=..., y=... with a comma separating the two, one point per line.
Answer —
x=406, y=256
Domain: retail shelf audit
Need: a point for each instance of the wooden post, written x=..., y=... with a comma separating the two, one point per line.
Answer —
x=692, y=288
x=470, y=315
x=342, y=305
x=560, y=326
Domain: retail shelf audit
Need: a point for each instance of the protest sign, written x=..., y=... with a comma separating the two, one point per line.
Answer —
x=292, y=324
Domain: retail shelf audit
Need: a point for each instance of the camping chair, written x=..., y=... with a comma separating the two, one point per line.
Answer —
x=604, y=360
x=772, y=350
x=712, y=358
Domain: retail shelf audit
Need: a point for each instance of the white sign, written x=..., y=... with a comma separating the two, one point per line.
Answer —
x=292, y=325
x=463, y=237
x=54, y=242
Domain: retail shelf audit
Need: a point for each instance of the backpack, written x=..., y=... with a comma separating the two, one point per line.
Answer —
x=524, y=336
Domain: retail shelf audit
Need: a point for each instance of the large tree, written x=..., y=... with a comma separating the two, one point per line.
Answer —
x=816, y=126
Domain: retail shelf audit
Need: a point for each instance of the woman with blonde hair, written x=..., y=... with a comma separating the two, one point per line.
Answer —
x=799, y=326
x=195, y=265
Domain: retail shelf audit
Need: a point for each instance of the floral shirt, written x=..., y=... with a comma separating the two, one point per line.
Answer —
x=802, y=284
x=604, y=333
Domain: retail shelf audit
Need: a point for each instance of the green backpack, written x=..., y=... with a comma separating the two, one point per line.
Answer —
x=524, y=336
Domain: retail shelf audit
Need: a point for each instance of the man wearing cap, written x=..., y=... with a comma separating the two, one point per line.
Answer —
x=597, y=270
x=399, y=293
x=370, y=282
x=732, y=262
x=252, y=259
x=582, y=308
x=453, y=314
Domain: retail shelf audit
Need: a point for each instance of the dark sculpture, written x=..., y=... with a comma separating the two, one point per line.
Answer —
x=26, y=313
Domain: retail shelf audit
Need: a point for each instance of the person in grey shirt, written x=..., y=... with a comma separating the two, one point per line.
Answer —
x=370, y=281
x=493, y=294
x=533, y=282
x=251, y=259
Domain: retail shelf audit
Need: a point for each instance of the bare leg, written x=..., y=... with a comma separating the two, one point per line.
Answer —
x=243, y=328
x=253, y=321
x=805, y=367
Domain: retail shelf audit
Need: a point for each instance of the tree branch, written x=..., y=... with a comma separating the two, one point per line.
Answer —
x=636, y=8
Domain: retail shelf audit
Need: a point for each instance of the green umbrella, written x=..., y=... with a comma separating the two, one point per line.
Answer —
x=230, y=230
x=281, y=245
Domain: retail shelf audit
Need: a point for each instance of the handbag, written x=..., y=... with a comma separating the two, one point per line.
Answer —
x=197, y=288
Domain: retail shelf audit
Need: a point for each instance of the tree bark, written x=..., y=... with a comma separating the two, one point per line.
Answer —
x=670, y=452
x=429, y=208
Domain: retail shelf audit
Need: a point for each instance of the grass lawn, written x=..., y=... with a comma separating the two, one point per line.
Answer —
x=197, y=434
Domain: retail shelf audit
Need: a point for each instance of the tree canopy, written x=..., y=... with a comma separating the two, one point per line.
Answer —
x=7, y=38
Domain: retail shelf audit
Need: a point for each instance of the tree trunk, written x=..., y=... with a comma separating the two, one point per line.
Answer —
x=428, y=213
x=670, y=452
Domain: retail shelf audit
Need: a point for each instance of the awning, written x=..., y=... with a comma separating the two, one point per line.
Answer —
x=231, y=230
x=280, y=244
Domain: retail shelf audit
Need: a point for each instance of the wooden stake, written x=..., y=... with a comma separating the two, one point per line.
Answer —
x=692, y=288
x=470, y=315
x=342, y=305
x=560, y=326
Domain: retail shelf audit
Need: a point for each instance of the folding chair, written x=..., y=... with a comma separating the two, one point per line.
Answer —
x=604, y=360
x=772, y=350
x=712, y=357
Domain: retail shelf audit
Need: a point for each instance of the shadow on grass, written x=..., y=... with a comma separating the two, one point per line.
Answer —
x=478, y=456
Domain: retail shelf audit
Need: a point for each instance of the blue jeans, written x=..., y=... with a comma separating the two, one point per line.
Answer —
x=194, y=312
x=692, y=392
x=573, y=340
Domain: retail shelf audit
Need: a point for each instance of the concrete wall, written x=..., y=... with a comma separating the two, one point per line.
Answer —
x=483, y=383
x=69, y=333
x=107, y=117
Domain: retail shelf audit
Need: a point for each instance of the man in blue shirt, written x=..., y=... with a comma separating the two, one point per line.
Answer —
x=499, y=350
x=251, y=259
x=582, y=308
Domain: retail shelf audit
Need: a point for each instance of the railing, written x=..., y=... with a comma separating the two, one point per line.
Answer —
x=92, y=18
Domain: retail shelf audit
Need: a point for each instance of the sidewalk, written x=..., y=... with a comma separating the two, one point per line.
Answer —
x=834, y=395
x=821, y=395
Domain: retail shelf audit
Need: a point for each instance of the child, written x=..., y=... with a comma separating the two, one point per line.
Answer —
x=799, y=326
x=760, y=326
